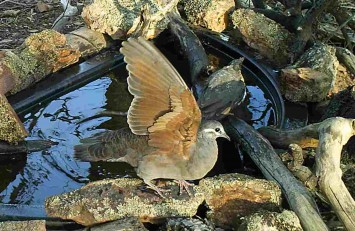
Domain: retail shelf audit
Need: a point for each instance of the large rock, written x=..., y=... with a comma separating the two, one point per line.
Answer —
x=121, y=18
x=209, y=14
x=266, y=220
x=35, y=225
x=233, y=196
x=41, y=53
x=269, y=38
x=109, y=200
x=11, y=127
x=304, y=85
x=312, y=77
x=320, y=57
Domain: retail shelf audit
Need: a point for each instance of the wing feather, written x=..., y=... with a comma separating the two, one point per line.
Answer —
x=163, y=107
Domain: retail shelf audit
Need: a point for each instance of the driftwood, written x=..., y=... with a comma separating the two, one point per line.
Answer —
x=270, y=164
x=332, y=133
x=304, y=137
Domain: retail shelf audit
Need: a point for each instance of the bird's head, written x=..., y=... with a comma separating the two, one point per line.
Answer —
x=213, y=129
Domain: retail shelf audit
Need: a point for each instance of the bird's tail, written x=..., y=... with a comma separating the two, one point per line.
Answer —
x=105, y=146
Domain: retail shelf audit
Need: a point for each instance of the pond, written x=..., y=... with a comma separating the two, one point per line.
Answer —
x=29, y=180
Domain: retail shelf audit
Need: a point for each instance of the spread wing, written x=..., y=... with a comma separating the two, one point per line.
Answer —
x=163, y=107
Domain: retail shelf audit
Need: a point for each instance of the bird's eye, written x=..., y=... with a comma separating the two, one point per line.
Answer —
x=217, y=130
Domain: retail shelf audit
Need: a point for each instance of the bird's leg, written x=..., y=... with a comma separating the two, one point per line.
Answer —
x=155, y=188
x=183, y=184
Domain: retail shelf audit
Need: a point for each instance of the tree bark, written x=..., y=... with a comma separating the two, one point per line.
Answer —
x=270, y=164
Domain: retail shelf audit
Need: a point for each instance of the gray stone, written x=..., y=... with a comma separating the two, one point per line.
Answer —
x=271, y=221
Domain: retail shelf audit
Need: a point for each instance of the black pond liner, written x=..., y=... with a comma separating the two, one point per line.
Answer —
x=78, y=75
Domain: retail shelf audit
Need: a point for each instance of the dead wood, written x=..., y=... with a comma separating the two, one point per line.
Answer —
x=270, y=164
x=304, y=137
x=333, y=134
x=347, y=58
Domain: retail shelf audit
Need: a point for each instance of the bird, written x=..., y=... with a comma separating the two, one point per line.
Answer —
x=166, y=138
x=223, y=91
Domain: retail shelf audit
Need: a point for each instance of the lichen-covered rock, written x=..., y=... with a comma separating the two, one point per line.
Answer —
x=41, y=53
x=35, y=225
x=120, y=18
x=320, y=57
x=265, y=220
x=313, y=76
x=269, y=38
x=124, y=224
x=188, y=224
x=87, y=41
x=232, y=196
x=109, y=200
x=209, y=14
x=11, y=128
x=304, y=85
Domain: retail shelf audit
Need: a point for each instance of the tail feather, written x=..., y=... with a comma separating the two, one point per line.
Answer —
x=103, y=146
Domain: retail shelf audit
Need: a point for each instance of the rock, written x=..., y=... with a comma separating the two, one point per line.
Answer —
x=124, y=224
x=343, y=80
x=209, y=14
x=304, y=85
x=121, y=18
x=187, y=224
x=320, y=57
x=43, y=7
x=35, y=225
x=232, y=196
x=42, y=53
x=87, y=41
x=109, y=200
x=11, y=127
x=269, y=38
x=265, y=220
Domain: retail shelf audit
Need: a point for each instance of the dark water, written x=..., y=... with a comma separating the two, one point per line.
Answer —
x=29, y=180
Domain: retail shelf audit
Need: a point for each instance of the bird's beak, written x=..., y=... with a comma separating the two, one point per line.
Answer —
x=226, y=136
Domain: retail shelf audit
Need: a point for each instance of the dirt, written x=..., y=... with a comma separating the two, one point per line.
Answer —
x=20, y=18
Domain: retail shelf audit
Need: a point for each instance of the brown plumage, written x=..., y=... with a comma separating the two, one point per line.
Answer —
x=167, y=138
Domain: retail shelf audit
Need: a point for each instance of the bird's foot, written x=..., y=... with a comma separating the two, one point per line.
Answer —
x=184, y=185
x=156, y=189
